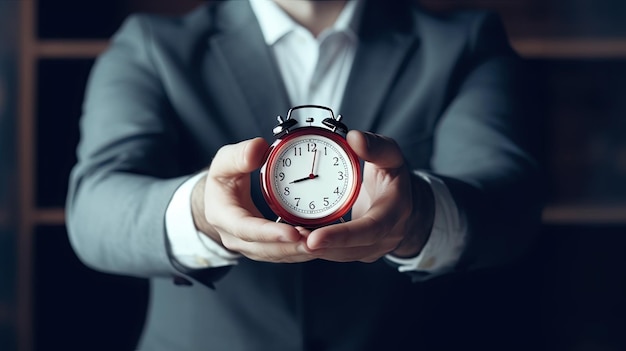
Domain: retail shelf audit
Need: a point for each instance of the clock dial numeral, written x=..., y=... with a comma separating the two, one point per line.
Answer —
x=318, y=175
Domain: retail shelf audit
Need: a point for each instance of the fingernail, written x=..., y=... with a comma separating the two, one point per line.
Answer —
x=301, y=248
x=323, y=244
x=302, y=231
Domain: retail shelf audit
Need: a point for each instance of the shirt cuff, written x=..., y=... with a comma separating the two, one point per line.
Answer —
x=447, y=238
x=189, y=246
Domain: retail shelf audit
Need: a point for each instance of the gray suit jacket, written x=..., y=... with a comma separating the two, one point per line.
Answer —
x=170, y=91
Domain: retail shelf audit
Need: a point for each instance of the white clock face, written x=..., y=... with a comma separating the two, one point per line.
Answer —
x=312, y=176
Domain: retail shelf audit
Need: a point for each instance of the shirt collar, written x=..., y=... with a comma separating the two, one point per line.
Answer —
x=275, y=23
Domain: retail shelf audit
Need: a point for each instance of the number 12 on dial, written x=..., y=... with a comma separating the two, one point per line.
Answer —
x=311, y=177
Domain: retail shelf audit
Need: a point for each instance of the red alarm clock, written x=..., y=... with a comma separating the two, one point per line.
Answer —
x=311, y=177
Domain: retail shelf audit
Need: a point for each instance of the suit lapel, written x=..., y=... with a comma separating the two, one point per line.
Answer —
x=385, y=41
x=246, y=59
x=247, y=65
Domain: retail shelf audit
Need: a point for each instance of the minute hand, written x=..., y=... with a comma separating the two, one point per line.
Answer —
x=311, y=176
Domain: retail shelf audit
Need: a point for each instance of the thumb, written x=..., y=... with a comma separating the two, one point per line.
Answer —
x=382, y=151
x=234, y=160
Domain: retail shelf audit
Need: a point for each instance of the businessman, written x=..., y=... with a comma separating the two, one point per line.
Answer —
x=177, y=120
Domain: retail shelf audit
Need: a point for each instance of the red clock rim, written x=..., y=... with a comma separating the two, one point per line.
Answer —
x=275, y=204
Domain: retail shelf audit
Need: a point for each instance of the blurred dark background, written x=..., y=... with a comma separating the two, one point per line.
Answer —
x=50, y=301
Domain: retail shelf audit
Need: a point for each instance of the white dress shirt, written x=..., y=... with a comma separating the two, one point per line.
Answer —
x=315, y=71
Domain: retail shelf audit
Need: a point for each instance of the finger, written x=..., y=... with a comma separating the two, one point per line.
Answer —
x=275, y=252
x=231, y=209
x=304, y=232
x=377, y=149
x=364, y=240
x=366, y=254
x=363, y=232
x=368, y=230
x=233, y=220
x=236, y=159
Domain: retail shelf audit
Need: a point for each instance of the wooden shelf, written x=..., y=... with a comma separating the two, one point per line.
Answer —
x=555, y=48
x=579, y=214
x=570, y=47
x=68, y=49
x=52, y=216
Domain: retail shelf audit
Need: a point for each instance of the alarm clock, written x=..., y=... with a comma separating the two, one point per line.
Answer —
x=311, y=177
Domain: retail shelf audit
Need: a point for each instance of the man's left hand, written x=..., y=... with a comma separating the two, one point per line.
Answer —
x=393, y=213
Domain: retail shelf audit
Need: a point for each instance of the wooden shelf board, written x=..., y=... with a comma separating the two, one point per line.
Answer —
x=527, y=47
x=577, y=214
x=570, y=47
x=70, y=48
x=52, y=216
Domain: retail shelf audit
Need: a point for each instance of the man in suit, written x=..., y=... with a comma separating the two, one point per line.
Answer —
x=177, y=119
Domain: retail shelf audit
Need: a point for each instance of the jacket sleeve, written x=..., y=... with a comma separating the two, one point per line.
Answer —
x=486, y=150
x=127, y=168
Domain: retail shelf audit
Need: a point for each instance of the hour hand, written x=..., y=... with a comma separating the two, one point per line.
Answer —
x=310, y=176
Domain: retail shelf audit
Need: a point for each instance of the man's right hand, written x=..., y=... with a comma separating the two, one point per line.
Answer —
x=223, y=209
